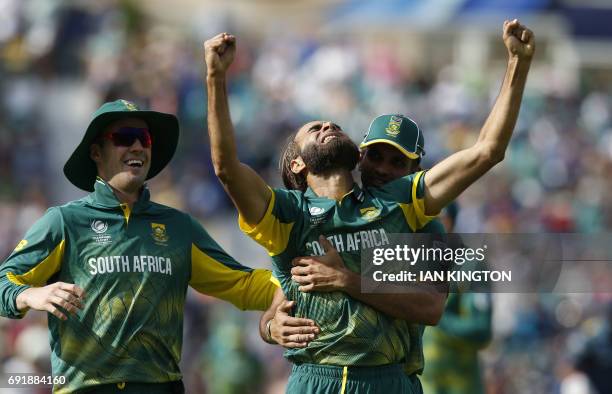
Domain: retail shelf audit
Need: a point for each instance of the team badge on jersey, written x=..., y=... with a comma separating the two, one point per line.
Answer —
x=158, y=232
x=393, y=128
x=370, y=213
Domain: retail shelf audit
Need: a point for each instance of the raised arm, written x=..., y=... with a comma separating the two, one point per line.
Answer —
x=449, y=178
x=246, y=188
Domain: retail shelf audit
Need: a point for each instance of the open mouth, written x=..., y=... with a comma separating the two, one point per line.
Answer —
x=134, y=163
x=328, y=137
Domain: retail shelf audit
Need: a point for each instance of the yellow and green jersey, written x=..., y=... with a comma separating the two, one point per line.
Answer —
x=352, y=333
x=451, y=348
x=135, y=266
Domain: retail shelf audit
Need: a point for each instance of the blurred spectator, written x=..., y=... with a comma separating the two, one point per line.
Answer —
x=595, y=360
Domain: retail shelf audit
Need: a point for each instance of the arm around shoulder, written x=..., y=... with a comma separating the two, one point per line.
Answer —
x=214, y=272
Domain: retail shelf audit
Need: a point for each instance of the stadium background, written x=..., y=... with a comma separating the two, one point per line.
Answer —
x=440, y=62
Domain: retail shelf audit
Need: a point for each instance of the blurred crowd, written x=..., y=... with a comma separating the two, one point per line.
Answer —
x=60, y=59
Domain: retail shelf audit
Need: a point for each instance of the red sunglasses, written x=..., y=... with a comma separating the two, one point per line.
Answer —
x=126, y=136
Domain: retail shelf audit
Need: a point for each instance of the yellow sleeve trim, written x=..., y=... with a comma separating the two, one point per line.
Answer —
x=275, y=281
x=419, y=204
x=415, y=213
x=269, y=232
x=246, y=290
x=39, y=275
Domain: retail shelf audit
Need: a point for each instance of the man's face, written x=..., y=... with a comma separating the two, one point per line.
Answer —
x=324, y=147
x=123, y=167
x=382, y=163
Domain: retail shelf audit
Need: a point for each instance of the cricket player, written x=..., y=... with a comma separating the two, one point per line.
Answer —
x=112, y=269
x=383, y=158
x=289, y=223
x=451, y=348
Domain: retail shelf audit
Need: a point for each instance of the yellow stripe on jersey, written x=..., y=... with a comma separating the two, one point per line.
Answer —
x=415, y=213
x=246, y=290
x=40, y=274
x=269, y=232
x=410, y=216
x=126, y=212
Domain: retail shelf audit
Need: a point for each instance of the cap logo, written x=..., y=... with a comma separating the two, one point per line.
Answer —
x=22, y=244
x=393, y=128
x=129, y=106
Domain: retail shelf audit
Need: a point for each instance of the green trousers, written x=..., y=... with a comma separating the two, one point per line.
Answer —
x=328, y=379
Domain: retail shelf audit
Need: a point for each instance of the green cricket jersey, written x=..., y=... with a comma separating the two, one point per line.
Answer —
x=451, y=348
x=415, y=359
x=352, y=333
x=135, y=267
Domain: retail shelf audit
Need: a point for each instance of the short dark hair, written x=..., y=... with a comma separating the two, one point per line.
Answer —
x=291, y=180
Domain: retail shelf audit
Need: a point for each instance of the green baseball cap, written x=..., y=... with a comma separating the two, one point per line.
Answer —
x=398, y=131
x=81, y=170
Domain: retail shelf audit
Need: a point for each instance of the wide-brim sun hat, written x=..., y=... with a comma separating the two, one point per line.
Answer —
x=81, y=170
x=396, y=130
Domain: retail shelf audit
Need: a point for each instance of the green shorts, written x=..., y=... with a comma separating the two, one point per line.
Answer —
x=329, y=379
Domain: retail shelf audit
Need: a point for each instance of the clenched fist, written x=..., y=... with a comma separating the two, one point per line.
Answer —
x=519, y=40
x=219, y=53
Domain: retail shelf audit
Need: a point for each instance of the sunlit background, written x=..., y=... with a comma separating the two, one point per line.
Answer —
x=439, y=61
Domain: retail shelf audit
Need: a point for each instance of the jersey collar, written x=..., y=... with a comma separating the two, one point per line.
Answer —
x=356, y=192
x=103, y=195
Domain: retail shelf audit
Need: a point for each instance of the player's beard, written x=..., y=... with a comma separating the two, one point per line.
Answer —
x=337, y=154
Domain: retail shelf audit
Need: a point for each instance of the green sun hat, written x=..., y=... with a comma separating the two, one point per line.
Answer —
x=399, y=131
x=81, y=170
